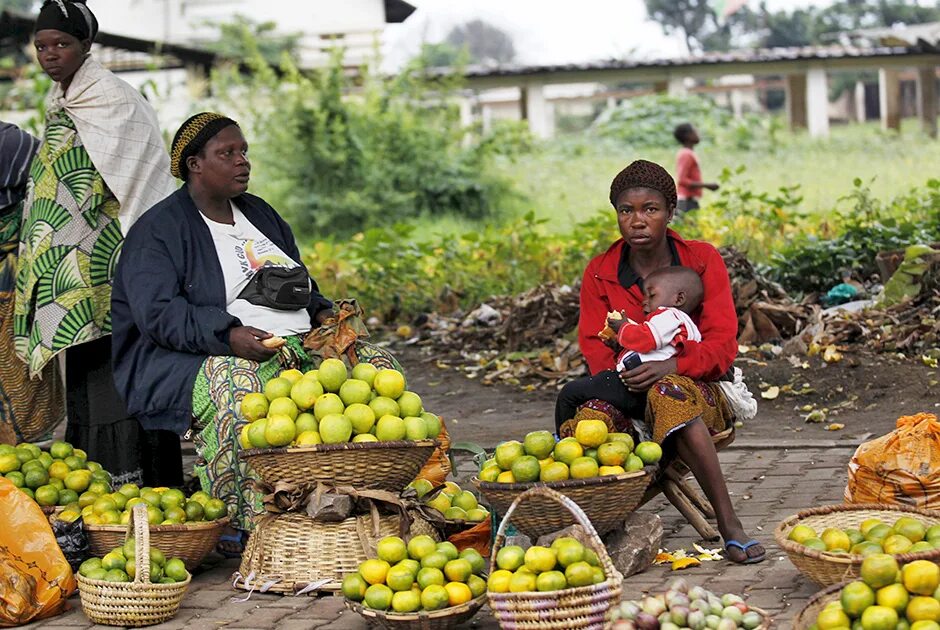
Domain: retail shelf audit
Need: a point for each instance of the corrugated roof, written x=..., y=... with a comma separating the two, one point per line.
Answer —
x=760, y=55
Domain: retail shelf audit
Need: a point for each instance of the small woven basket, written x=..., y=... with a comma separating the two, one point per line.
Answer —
x=191, y=542
x=366, y=465
x=584, y=607
x=288, y=552
x=137, y=603
x=444, y=619
x=807, y=615
x=607, y=500
x=827, y=568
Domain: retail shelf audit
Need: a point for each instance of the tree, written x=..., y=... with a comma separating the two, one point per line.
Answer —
x=694, y=19
x=239, y=39
x=484, y=43
x=440, y=55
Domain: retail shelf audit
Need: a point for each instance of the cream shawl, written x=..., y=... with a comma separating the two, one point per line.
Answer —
x=120, y=131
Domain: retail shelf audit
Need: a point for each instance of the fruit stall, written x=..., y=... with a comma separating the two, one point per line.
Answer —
x=352, y=470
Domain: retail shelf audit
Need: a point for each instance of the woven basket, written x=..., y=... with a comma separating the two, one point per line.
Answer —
x=584, y=607
x=191, y=542
x=365, y=465
x=444, y=619
x=137, y=603
x=607, y=500
x=807, y=616
x=288, y=552
x=827, y=568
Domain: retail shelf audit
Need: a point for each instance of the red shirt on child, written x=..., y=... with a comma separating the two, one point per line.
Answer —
x=687, y=172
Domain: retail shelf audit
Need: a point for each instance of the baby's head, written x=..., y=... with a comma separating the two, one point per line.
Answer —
x=678, y=287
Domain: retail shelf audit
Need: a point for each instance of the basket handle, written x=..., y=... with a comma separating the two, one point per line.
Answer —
x=139, y=528
x=579, y=516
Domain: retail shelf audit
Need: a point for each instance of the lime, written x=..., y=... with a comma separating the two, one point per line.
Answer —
x=174, y=568
x=215, y=509
x=354, y=587
x=378, y=597
x=434, y=597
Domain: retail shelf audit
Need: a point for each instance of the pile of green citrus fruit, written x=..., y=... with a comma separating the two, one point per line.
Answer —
x=54, y=477
x=452, y=502
x=907, y=535
x=566, y=564
x=682, y=606
x=326, y=406
x=887, y=598
x=591, y=452
x=165, y=506
x=118, y=565
x=422, y=575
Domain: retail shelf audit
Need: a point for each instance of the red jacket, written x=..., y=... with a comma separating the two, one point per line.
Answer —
x=601, y=292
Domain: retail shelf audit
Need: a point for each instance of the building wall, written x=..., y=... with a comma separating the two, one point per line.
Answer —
x=357, y=23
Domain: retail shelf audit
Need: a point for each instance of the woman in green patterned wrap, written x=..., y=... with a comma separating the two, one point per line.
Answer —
x=101, y=164
x=191, y=335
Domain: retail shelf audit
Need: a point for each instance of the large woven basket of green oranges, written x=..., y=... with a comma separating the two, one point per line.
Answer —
x=829, y=543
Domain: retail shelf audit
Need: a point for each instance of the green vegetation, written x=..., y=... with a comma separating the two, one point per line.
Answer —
x=336, y=152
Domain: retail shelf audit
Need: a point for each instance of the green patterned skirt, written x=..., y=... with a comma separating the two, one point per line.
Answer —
x=220, y=385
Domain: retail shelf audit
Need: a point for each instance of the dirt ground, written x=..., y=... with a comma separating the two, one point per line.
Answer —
x=864, y=392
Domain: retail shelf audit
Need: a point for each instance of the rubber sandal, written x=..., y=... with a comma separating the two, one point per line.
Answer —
x=239, y=538
x=744, y=548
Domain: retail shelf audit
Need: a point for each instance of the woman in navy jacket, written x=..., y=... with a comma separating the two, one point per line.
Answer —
x=187, y=345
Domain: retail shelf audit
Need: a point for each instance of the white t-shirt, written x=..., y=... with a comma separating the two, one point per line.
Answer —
x=242, y=250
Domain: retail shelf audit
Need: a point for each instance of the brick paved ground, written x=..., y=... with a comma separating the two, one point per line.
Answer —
x=768, y=481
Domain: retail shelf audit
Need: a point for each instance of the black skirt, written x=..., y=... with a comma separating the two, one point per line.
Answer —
x=99, y=424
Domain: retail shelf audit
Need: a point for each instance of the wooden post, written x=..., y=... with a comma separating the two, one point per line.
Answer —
x=889, y=99
x=796, y=101
x=817, y=102
x=927, y=100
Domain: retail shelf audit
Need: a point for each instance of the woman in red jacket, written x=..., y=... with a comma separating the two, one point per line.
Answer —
x=679, y=397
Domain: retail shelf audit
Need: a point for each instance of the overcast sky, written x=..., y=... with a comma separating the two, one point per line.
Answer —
x=548, y=31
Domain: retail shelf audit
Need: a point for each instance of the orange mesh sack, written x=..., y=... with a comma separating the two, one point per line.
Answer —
x=902, y=467
x=438, y=466
x=35, y=579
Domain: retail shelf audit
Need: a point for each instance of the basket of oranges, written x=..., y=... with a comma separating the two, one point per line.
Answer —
x=829, y=543
x=571, y=585
x=189, y=528
x=425, y=585
x=886, y=595
x=604, y=473
x=140, y=589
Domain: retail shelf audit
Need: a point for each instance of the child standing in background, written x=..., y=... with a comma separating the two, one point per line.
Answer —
x=689, y=182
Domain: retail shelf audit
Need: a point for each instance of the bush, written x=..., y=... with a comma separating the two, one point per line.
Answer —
x=648, y=121
x=337, y=152
x=394, y=275
x=867, y=228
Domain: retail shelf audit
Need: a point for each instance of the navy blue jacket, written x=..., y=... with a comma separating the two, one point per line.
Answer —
x=168, y=305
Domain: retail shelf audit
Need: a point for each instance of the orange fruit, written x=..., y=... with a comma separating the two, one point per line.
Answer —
x=879, y=570
x=458, y=593
x=920, y=577
x=591, y=433
x=856, y=597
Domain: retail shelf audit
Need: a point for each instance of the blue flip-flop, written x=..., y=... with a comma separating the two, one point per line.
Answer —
x=239, y=538
x=744, y=548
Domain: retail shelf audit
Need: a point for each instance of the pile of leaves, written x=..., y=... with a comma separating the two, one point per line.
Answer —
x=530, y=339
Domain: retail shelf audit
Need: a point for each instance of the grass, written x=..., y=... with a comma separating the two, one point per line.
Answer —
x=566, y=186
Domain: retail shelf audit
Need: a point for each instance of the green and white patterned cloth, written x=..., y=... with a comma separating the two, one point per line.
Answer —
x=220, y=385
x=70, y=239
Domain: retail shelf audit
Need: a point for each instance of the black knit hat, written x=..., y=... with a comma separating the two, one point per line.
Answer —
x=644, y=174
x=68, y=16
x=192, y=136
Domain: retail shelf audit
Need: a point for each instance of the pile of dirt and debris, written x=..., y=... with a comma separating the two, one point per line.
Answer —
x=530, y=339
